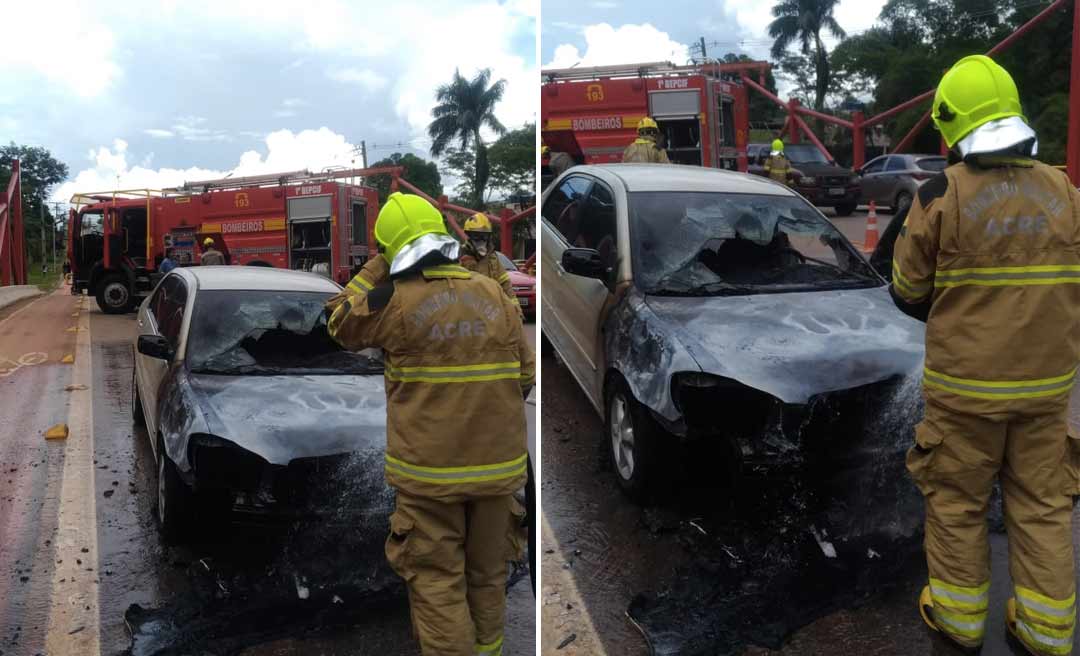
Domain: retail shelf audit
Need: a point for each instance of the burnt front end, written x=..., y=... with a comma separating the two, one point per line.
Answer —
x=835, y=430
x=236, y=480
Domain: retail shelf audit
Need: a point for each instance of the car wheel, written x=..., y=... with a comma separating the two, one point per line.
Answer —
x=903, y=201
x=631, y=437
x=173, y=499
x=845, y=210
x=136, y=401
x=114, y=295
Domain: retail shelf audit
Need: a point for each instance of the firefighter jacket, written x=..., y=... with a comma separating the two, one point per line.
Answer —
x=456, y=368
x=994, y=249
x=211, y=257
x=645, y=151
x=559, y=162
x=490, y=266
x=778, y=168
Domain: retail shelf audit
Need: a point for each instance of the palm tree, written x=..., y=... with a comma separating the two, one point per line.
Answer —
x=464, y=106
x=803, y=21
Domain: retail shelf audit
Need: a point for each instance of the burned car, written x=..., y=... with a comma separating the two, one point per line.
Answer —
x=250, y=406
x=699, y=303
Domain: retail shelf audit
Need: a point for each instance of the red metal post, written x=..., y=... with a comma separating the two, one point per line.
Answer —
x=1072, y=153
x=914, y=132
x=506, y=230
x=5, y=247
x=812, y=137
x=18, y=250
x=796, y=123
x=858, y=145
x=825, y=117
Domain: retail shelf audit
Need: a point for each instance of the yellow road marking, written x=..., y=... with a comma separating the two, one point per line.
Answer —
x=57, y=432
x=67, y=359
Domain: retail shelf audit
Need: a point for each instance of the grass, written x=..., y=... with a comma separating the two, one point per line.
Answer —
x=45, y=282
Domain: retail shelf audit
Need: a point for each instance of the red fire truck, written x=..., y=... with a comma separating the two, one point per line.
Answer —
x=298, y=220
x=702, y=111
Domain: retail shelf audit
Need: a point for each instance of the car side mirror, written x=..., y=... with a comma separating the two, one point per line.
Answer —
x=585, y=262
x=155, y=346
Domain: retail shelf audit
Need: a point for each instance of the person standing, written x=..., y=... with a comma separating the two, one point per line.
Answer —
x=457, y=372
x=167, y=264
x=481, y=255
x=777, y=166
x=989, y=257
x=645, y=148
x=211, y=256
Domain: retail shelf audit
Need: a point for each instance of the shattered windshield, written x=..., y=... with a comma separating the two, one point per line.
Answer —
x=243, y=332
x=706, y=243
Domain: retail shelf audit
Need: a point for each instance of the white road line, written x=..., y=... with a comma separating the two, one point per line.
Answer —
x=74, y=626
x=12, y=315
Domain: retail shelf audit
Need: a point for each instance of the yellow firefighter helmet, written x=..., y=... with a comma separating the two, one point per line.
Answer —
x=403, y=219
x=477, y=223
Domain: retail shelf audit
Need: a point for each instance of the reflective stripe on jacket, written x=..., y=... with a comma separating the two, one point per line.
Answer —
x=996, y=251
x=645, y=151
x=777, y=167
x=456, y=367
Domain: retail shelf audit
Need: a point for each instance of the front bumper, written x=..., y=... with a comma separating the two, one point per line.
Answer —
x=827, y=196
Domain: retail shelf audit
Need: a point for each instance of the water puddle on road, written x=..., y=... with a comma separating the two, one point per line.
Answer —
x=776, y=552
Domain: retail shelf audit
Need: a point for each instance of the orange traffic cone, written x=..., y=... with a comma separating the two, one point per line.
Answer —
x=871, y=240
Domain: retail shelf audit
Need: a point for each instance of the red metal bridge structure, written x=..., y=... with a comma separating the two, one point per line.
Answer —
x=795, y=125
x=12, y=248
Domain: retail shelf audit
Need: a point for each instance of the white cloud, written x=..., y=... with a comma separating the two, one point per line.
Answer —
x=282, y=150
x=79, y=51
x=158, y=133
x=284, y=113
x=294, y=102
x=367, y=79
x=604, y=4
x=190, y=128
x=626, y=44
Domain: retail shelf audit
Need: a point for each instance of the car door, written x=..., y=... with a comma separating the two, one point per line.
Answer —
x=146, y=321
x=894, y=175
x=168, y=320
x=871, y=179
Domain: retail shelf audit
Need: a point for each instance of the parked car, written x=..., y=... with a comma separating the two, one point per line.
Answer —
x=524, y=286
x=893, y=180
x=249, y=405
x=819, y=180
x=697, y=303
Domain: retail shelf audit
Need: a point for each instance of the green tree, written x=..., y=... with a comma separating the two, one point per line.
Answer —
x=419, y=171
x=762, y=110
x=40, y=172
x=803, y=21
x=460, y=163
x=464, y=107
x=513, y=160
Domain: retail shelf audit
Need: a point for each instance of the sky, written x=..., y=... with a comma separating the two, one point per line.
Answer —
x=603, y=32
x=150, y=93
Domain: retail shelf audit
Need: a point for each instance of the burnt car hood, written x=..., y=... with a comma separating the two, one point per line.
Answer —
x=281, y=418
x=796, y=345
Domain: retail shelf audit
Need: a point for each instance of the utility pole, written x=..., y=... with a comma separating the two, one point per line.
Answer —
x=704, y=56
x=363, y=154
x=41, y=217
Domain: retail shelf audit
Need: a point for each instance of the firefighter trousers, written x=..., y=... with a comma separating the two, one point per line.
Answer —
x=453, y=557
x=954, y=463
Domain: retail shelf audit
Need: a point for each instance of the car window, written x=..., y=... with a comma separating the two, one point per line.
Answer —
x=875, y=166
x=154, y=305
x=506, y=262
x=598, y=224
x=563, y=206
x=712, y=243
x=932, y=163
x=804, y=154
x=170, y=314
x=896, y=164
x=248, y=333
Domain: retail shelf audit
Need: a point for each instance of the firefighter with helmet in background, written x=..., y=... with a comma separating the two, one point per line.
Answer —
x=989, y=257
x=480, y=255
x=210, y=255
x=457, y=371
x=777, y=165
x=645, y=148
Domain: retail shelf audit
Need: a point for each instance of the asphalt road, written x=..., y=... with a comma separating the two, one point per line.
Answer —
x=80, y=549
x=600, y=550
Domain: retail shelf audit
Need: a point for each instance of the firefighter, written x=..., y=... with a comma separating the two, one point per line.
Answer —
x=480, y=253
x=558, y=161
x=645, y=148
x=777, y=166
x=210, y=254
x=457, y=371
x=989, y=257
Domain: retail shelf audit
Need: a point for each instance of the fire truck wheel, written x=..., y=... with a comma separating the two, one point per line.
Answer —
x=113, y=295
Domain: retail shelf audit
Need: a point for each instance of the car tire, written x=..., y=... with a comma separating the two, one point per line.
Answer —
x=137, y=415
x=631, y=436
x=903, y=200
x=845, y=210
x=174, y=499
x=114, y=295
x=546, y=349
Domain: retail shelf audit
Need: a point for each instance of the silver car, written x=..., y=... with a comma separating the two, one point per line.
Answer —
x=698, y=303
x=250, y=407
x=893, y=180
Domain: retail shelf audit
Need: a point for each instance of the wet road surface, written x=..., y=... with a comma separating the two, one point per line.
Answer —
x=224, y=589
x=600, y=551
